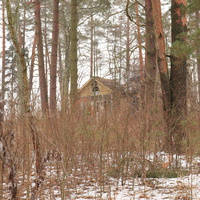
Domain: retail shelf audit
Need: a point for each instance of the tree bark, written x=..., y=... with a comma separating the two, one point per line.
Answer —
x=2, y=96
x=150, y=58
x=139, y=40
x=73, y=51
x=178, y=78
x=32, y=65
x=198, y=54
x=42, y=76
x=53, y=67
x=127, y=75
x=25, y=89
x=3, y=53
x=19, y=51
x=163, y=71
x=91, y=46
x=174, y=87
x=161, y=59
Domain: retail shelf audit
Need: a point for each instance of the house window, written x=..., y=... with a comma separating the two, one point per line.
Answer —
x=95, y=88
x=95, y=93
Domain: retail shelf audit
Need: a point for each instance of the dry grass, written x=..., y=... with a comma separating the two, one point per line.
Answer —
x=79, y=148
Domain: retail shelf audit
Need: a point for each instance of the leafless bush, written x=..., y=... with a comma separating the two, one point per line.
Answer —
x=78, y=147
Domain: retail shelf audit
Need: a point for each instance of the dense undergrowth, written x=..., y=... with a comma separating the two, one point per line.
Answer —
x=121, y=143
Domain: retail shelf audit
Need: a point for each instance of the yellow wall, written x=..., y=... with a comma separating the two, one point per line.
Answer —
x=87, y=90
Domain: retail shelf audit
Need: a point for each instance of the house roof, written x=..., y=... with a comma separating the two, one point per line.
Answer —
x=110, y=84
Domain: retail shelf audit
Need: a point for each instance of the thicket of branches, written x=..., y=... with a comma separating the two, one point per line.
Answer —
x=49, y=48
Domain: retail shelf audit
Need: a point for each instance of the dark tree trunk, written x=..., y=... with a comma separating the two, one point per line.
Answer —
x=91, y=46
x=53, y=67
x=150, y=59
x=3, y=53
x=127, y=75
x=42, y=76
x=2, y=96
x=178, y=78
x=73, y=50
x=198, y=53
x=65, y=75
x=163, y=71
x=174, y=87
x=161, y=59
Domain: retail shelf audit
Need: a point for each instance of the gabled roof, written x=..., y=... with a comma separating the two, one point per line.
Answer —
x=110, y=84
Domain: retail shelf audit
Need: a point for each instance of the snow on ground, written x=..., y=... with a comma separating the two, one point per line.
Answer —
x=84, y=184
x=187, y=187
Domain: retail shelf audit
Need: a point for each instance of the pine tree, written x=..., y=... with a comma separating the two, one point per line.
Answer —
x=73, y=51
x=53, y=67
x=42, y=75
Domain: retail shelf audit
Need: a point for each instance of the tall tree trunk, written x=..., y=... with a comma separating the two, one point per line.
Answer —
x=60, y=69
x=139, y=40
x=198, y=54
x=65, y=70
x=2, y=160
x=42, y=76
x=2, y=96
x=53, y=66
x=178, y=79
x=120, y=55
x=91, y=46
x=26, y=102
x=127, y=53
x=32, y=65
x=161, y=60
x=24, y=81
x=150, y=59
x=3, y=52
x=65, y=77
x=19, y=51
x=141, y=65
x=150, y=71
x=47, y=58
x=24, y=28
x=73, y=51
x=174, y=90
x=19, y=68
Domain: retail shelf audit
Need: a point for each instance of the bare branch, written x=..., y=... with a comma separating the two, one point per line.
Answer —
x=128, y=15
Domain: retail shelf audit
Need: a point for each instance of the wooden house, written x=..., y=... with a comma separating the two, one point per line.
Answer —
x=99, y=93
